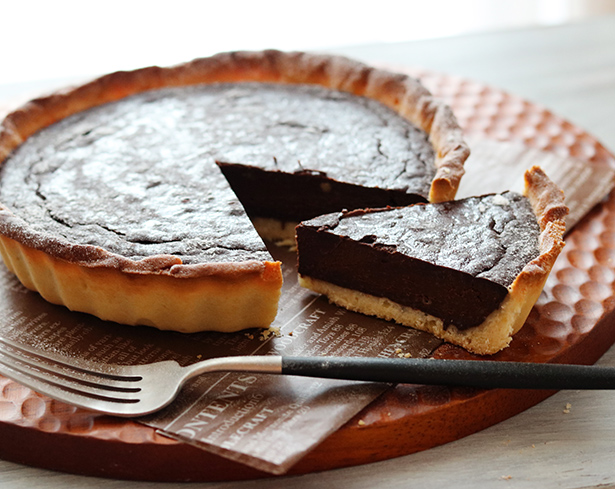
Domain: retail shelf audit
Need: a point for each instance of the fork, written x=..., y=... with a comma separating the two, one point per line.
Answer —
x=138, y=390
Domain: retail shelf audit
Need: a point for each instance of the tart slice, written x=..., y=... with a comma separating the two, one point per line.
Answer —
x=123, y=197
x=467, y=271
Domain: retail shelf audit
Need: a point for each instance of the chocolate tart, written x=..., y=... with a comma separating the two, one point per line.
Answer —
x=123, y=197
x=468, y=271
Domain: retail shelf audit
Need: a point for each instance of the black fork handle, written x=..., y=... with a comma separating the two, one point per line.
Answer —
x=471, y=373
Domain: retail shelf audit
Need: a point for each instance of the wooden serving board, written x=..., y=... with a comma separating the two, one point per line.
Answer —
x=572, y=323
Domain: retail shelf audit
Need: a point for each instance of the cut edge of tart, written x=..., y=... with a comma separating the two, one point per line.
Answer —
x=161, y=291
x=496, y=331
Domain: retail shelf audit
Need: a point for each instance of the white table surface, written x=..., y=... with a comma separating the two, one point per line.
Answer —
x=571, y=70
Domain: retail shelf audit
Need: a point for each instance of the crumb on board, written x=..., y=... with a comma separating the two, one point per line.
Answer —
x=271, y=331
x=567, y=408
x=506, y=477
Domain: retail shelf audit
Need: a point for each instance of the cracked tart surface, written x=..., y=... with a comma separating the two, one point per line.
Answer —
x=130, y=190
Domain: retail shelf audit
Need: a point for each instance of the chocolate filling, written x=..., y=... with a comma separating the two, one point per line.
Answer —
x=453, y=260
x=139, y=178
x=305, y=194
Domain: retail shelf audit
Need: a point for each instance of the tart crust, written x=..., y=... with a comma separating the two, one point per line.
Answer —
x=161, y=291
x=496, y=332
x=247, y=296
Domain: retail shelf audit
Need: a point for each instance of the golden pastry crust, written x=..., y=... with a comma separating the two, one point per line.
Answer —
x=496, y=332
x=168, y=301
x=52, y=266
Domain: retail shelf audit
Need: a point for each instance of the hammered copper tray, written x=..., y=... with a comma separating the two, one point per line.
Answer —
x=571, y=323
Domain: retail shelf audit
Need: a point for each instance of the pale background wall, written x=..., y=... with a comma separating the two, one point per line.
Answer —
x=68, y=38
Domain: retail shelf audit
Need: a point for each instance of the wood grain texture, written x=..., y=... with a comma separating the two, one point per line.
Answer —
x=544, y=446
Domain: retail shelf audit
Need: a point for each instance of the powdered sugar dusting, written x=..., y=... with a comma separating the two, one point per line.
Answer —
x=500, y=200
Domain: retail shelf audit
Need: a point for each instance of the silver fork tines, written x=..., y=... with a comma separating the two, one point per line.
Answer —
x=113, y=389
x=66, y=381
